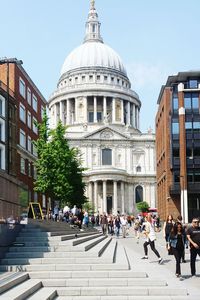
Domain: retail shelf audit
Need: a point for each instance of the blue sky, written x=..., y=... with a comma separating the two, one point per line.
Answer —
x=155, y=39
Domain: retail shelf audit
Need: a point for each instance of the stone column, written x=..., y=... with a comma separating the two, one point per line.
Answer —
x=95, y=109
x=138, y=119
x=76, y=111
x=56, y=113
x=104, y=196
x=122, y=111
x=68, y=111
x=86, y=110
x=62, y=112
x=96, y=195
x=104, y=108
x=122, y=197
x=128, y=113
x=115, y=197
x=134, y=115
x=90, y=192
x=113, y=110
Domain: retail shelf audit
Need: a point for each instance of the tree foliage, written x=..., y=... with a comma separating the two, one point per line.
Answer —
x=143, y=206
x=59, y=171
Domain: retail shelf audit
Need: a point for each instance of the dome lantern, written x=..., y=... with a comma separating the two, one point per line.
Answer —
x=93, y=25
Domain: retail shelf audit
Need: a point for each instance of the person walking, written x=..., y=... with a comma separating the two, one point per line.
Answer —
x=179, y=220
x=124, y=223
x=137, y=229
x=117, y=225
x=104, y=223
x=167, y=227
x=177, y=239
x=150, y=239
x=193, y=235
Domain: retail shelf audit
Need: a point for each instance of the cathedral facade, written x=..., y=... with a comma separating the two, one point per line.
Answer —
x=102, y=113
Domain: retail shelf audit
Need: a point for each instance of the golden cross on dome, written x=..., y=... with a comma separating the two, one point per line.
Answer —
x=92, y=3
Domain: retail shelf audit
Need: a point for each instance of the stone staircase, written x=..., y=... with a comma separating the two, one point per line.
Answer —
x=76, y=266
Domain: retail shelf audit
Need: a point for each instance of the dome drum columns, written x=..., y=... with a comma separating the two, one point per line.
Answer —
x=96, y=109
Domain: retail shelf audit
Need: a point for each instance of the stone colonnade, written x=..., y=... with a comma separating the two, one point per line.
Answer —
x=94, y=109
x=107, y=195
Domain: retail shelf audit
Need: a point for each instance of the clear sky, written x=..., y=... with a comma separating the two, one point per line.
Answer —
x=155, y=39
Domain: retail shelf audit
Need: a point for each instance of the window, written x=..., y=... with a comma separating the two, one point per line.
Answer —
x=1, y=158
x=196, y=126
x=90, y=77
x=112, y=79
x=176, y=152
x=22, y=113
x=76, y=79
x=98, y=77
x=175, y=128
x=29, y=96
x=29, y=169
x=29, y=120
x=22, y=139
x=105, y=78
x=93, y=28
x=42, y=111
x=35, y=129
x=2, y=131
x=175, y=103
x=22, y=88
x=83, y=78
x=35, y=103
x=193, y=84
x=29, y=144
x=2, y=106
x=22, y=165
x=195, y=101
x=34, y=172
x=138, y=169
x=187, y=100
x=99, y=116
x=196, y=176
x=188, y=127
x=91, y=117
x=34, y=150
x=106, y=157
x=139, y=194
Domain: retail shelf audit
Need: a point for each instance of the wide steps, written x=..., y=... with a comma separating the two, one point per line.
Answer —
x=23, y=290
x=119, y=291
x=103, y=282
x=87, y=274
x=125, y=297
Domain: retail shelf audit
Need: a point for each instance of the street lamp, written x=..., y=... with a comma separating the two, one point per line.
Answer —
x=7, y=61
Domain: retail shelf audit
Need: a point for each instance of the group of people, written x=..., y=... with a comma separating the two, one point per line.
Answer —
x=178, y=236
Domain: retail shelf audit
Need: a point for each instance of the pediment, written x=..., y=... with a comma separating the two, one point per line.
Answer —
x=106, y=133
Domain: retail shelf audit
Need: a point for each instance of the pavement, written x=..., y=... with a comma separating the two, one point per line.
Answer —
x=166, y=270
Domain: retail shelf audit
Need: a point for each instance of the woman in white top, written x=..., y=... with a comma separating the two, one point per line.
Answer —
x=150, y=239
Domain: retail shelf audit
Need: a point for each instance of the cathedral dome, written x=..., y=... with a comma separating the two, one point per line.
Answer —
x=93, y=54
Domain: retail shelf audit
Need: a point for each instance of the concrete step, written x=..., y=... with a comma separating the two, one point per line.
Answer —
x=12, y=279
x=56, y=260
x=119, y=291
x=54, y=240
x=44, y=294
x=98, y=245
x=103, y=282
x=23, y=290
x=87, y=274
x=32, y=249
x=127, y=297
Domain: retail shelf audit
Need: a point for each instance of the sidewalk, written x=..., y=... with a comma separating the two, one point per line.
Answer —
x=166, y=270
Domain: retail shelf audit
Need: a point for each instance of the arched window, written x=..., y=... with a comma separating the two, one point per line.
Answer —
x=106, y=157
x=139, y=194
x=138, y=169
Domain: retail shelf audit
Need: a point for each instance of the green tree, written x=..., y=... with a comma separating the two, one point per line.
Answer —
x=143, y=206
x=59, y=171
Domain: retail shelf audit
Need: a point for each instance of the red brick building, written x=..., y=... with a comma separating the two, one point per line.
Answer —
x=178, y=146
x=29, y=106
